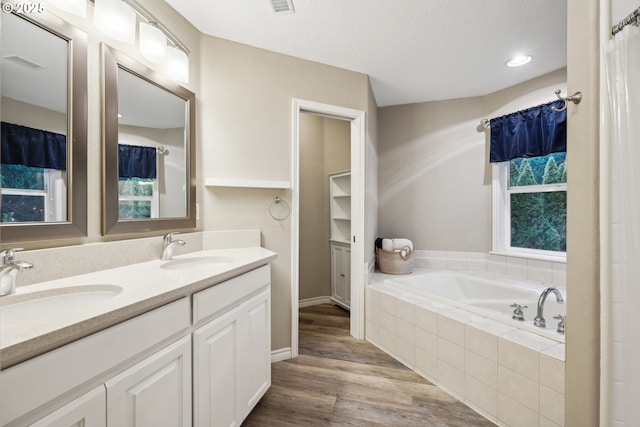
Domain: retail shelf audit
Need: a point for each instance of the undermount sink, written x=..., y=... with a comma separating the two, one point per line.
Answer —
x=20, y=309
x=197, y=263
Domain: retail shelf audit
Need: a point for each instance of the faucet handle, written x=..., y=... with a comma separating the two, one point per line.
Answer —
x=516, y=305
x=168, y=238
x=518, y=314
x=9, y=254
x=561, y=323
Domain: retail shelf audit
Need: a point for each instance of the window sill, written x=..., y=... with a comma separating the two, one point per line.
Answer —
x=538, y=257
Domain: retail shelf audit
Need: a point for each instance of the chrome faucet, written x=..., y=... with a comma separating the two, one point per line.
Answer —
x=9, y=269
x=168, y=244
x=539, y=319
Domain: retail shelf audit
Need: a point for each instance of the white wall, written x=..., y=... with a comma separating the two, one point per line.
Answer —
x=434, y=174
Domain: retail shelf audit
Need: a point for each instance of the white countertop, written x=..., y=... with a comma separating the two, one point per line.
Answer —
x=145, y=286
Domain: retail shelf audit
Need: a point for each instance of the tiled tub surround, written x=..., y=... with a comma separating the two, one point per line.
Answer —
x=511, y=376
x=145, y=286
x=487, y=294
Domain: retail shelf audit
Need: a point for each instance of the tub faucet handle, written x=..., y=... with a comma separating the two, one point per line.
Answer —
x=561, y=323
x=518, y=313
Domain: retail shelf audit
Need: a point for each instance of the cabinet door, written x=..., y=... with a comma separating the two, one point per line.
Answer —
x=346, y=262
x=156, y=392
x=337, y=273
x=255, y=340
x=216, y=355
x=341, y=274
x=88, y=410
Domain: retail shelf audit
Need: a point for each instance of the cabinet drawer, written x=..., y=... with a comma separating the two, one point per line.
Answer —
x=226, y=295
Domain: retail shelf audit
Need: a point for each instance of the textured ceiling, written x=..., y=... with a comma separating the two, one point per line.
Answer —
x=413, y=50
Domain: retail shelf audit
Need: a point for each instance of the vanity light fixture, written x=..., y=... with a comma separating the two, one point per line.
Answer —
x=177, y=64
x=519, y=60
x=153, y=42
x=77, y=7
x=116, y=19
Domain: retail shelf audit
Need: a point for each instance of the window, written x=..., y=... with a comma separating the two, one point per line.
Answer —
x=32, y=194
x=530, y=206
x=137, y=198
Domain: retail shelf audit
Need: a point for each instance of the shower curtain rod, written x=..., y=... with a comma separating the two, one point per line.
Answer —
x=633, y=18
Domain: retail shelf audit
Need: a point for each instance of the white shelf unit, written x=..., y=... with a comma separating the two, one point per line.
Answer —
x=340, y=212
x=340, y=206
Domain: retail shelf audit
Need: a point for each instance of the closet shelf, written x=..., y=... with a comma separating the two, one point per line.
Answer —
x=246, y=183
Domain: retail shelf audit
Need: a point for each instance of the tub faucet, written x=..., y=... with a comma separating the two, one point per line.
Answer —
x=539, y=319
x=168, y=244
x=9, y=269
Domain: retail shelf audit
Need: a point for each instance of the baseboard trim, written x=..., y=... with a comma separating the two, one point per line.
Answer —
x=281, y=354
x=313, y=301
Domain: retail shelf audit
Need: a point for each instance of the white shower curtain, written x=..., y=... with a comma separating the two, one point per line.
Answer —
x=622, y=62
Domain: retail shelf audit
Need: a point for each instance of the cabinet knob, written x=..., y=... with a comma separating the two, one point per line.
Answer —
x=342, y=275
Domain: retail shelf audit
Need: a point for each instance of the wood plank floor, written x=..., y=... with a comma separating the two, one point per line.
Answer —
x=337, y=381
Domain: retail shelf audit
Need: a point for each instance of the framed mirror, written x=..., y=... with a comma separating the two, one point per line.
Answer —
x=149, y=149
x=43, y=111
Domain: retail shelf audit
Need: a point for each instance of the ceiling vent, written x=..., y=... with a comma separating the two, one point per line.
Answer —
x=24, y=62
x=282, y=6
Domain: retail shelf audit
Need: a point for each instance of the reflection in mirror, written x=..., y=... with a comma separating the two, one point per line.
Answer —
x=149, y=149
x=43, y=134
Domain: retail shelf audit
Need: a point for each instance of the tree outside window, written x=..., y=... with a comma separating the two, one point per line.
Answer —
x=538, y=202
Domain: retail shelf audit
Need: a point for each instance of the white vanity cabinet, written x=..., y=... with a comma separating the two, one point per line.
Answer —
x=341, y=274
x=232, y=352
x=41, y=387
x=155, y=392
x=202, y=360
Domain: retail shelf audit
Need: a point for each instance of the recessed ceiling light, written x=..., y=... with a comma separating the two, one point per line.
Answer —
x=518, y=60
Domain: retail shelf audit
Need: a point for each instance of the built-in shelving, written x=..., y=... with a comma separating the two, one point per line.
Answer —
x=340, y=206
x=340, y=212
x=246, y=183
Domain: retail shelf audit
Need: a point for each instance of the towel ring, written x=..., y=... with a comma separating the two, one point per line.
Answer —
x=276, y=201
x=575, y=98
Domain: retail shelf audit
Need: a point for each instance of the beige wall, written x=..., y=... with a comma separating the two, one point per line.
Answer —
x=245, y=122
x=434, y=175
x=325, y=146
x=582, y=375
x=21, y=113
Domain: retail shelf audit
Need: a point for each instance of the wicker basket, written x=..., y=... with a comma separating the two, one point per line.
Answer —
x=395, y=262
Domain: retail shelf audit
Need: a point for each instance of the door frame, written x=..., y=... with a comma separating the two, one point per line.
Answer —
x=357, y=119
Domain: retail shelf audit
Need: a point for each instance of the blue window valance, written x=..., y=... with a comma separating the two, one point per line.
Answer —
x=35, y=148
x=135, y=161
x=533, y=132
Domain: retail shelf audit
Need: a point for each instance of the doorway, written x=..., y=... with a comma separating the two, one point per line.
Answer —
x=357, y=131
